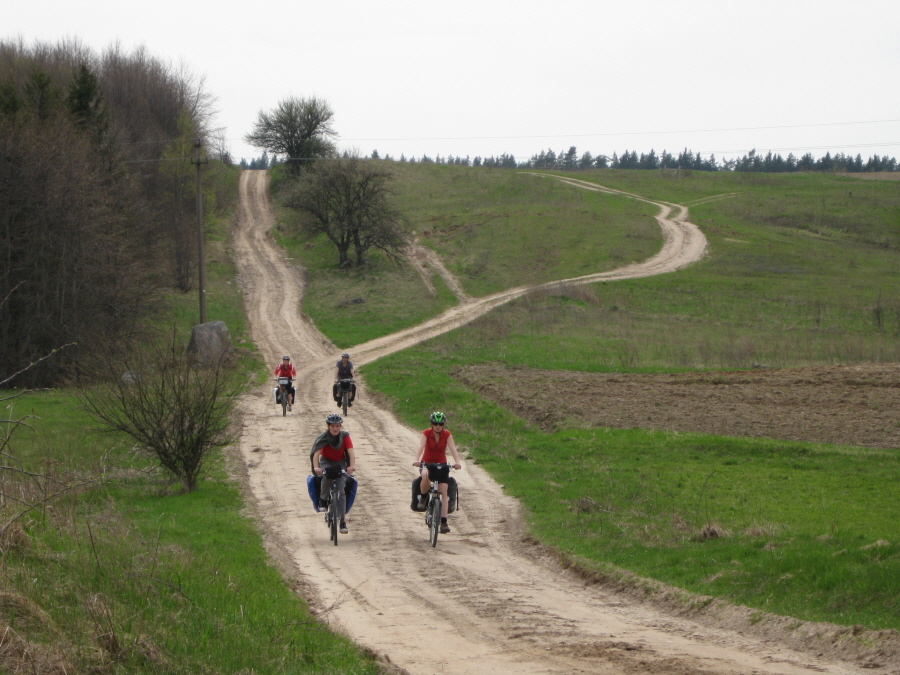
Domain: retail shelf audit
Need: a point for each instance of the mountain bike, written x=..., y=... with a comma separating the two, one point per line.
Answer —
x=332, y=517
x=344, y=390
x=284, y=393
x=433, y=506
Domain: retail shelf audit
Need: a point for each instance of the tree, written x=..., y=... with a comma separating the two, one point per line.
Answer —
x=85, y=102
x=175, y=408
x=299, y=128
x=349, y=201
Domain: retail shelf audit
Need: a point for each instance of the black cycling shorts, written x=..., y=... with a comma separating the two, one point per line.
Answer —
x=438, y=472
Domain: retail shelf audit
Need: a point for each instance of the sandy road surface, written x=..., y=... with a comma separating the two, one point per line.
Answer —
x=482, y=601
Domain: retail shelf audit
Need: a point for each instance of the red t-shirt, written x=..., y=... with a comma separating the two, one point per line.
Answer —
x=435, y=448
x=288, y=370
x=336, y=454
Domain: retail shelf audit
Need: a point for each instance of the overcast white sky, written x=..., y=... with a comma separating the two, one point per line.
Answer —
x=492, y=76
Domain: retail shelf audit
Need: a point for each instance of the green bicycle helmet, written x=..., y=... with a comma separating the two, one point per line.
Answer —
x=438, y=418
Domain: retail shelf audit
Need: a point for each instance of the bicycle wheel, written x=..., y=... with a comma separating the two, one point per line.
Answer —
x=333, y=521
x=434, y=511
x=345, y=400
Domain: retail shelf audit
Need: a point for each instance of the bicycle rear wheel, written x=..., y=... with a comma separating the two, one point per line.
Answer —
x=434, y=512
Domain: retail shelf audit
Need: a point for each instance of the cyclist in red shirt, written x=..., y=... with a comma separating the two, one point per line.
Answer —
x=286, y=369
x=334, y=448
x=432, y=459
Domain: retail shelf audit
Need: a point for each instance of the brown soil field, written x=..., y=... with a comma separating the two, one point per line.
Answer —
x=847, y=405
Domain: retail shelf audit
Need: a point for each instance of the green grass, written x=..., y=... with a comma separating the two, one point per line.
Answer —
x=134, y=575
x=799, y=517
x=784, y=284
x=492, y=227
x=181, y=581
x=501, y=229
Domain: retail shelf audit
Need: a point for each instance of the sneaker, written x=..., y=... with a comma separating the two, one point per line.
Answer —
x=323, y=506
x=349, y=404
x=289, y=407
x=339, y=404
x=344, y=529
x=445, y=527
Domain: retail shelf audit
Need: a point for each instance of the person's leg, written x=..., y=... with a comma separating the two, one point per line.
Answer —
x=445, y=500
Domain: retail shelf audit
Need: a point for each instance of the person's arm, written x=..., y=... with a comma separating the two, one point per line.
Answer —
x=316, y=468
x=451, y=445
x=351, y=467
x=336, y=374
x=421, y=451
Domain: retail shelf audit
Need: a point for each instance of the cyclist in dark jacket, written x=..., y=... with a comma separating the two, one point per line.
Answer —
x=343, y=370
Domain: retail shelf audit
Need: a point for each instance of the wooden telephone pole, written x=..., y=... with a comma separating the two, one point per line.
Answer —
x=198, y=160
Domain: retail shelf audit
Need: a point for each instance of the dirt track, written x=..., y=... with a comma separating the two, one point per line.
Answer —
x=483, y=602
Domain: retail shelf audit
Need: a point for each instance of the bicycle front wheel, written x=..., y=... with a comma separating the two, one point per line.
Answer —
x=333, y=519
x=434, y=511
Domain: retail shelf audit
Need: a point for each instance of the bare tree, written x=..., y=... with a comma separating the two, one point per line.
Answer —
x=299, y=128
x=176, y=409
x=349, y=200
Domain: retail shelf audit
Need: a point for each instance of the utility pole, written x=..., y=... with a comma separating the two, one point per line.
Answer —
x=198, y=160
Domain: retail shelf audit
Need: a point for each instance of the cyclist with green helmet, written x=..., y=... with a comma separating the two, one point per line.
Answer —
x=432, y=459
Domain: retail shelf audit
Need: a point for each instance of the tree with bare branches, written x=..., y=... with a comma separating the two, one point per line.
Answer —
x=349, y=200
x=174, y=407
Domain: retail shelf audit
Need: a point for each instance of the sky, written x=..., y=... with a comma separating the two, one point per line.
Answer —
x=483, y=78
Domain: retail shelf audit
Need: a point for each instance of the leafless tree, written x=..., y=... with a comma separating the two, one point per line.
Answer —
x=176, y=409
x=298, y=129
x=350, y=201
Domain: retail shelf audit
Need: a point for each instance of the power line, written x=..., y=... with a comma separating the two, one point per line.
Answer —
x=624, y=133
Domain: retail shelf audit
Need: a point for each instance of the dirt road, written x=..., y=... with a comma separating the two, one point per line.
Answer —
x=484, y=601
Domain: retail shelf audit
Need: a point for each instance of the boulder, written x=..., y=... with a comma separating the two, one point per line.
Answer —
x=210, y=342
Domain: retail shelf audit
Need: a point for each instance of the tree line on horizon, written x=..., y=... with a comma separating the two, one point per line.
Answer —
x=570, y=160
x=97, y=198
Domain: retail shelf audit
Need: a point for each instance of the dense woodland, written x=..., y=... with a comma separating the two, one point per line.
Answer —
x=97, y=198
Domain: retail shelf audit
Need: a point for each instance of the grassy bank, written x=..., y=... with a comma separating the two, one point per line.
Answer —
x=129, y=574
x=799, y=529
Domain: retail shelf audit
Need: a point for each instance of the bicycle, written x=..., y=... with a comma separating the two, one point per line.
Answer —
x=344, y=389
x=433, y=504
x=332, y=517
x=284, y=393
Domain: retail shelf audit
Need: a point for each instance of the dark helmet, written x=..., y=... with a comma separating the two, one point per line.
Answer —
x=334, y=418
x=285, y=358
x=345, y=355
x=438, y=418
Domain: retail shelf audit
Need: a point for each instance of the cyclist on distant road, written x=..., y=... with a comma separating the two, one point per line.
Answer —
x=286, y=369
x=333, y=447
x=433, y=446
x=343, y=370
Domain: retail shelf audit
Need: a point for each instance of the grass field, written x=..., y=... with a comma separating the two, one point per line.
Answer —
x=805, y=530
x=801, y=271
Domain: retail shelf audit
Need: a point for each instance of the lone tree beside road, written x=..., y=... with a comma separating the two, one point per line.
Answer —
x=299, y=128
x=349, y=201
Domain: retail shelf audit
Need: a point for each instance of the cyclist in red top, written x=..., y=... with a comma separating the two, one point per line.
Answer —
x=432, y=459
x=286, y=369
x=334, y=448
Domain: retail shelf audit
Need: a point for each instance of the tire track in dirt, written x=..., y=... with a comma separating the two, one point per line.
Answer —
x=483, y=602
